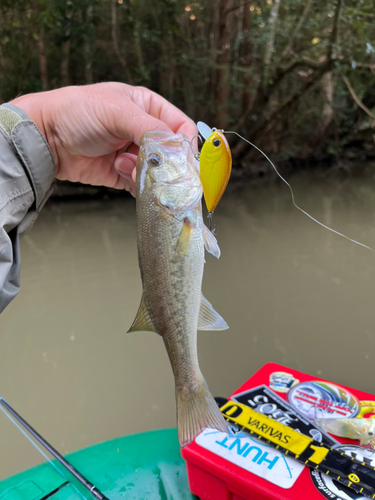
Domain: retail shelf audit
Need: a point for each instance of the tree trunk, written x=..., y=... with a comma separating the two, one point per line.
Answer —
x=328, y=86
x=265, y=119
x=246, y=61
x=139, y=54
x=118, y=53
x=41, y=48
x=64, y=67
x=288, y=48
x=223, y=64
x=2, y=59
x=168, y=78
x=2, y=68
x=65, y=48
x=271, y=40
x=89, y=36
x=241, y=148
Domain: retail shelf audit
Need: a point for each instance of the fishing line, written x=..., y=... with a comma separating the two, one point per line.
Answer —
x=195, y=153
x=40, y=450
x=292, y=192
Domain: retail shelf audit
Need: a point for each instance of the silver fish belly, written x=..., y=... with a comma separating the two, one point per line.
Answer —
x=171, y=242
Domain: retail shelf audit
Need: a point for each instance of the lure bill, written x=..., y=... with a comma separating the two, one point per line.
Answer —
x=329, y=461
x=215, y=163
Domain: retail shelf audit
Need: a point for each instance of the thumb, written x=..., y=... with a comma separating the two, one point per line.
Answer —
x=135, y=122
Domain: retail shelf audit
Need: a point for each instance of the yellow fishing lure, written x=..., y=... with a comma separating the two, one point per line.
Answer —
x=215, y=166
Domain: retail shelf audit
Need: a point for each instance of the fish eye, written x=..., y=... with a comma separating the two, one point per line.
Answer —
x=370, y=433
x=217, y=143
x=154, y=159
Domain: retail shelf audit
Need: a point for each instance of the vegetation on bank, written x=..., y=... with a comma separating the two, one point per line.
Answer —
x=294, y=77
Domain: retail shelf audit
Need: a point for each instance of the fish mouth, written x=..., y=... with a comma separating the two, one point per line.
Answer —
x=179, y=181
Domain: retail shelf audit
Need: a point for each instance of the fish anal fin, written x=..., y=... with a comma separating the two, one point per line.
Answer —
x=209, y=319
x=142, y=322
x=210, y=242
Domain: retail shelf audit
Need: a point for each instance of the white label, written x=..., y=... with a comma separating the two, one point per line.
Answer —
x=251, y=454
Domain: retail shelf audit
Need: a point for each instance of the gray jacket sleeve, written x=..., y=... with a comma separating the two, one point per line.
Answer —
x=27, y=171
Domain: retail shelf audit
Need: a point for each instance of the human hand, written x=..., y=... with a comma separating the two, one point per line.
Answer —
x=94, y=131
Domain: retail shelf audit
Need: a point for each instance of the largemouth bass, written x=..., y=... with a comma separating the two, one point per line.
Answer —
x=171, y=242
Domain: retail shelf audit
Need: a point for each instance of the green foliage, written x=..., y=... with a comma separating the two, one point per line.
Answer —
x=173, y=47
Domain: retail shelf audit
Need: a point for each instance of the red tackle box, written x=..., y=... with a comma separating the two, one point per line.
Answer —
x=239, y=467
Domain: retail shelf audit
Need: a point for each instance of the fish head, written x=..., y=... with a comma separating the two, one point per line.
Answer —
x=368, y=431
x=167, y=169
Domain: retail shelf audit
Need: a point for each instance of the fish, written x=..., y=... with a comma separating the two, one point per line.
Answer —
x=172, y=239
x=215, y=162
x=362, y=429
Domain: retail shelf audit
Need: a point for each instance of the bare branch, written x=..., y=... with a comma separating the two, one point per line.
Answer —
x=335, y=30
x=286, y=52
x=301, y=62
x=363, y=65
x=356, y=99
x=240, y=149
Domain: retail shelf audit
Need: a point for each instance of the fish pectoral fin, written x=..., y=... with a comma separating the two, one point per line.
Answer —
x=210, y=242
x=183, y=242
x=142, y=322
x=209, y=319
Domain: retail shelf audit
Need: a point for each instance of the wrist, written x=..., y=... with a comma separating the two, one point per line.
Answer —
x=35, y=106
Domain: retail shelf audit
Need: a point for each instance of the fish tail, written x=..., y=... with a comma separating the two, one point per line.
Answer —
x=197, y=410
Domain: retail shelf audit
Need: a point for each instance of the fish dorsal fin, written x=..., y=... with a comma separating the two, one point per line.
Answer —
x=347, y=430
x=142, y=322
x=210, y=242
x=209, y=319
x=339, y=427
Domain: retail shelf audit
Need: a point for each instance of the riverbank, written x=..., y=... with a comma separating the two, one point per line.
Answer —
x=353, y=162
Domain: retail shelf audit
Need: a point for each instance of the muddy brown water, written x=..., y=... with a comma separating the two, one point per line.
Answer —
x=290, y=291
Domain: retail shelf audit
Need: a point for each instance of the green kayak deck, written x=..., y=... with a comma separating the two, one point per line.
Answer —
x=146, y=466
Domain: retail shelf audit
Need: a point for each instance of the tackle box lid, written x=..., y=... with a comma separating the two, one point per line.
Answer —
x=222, y=467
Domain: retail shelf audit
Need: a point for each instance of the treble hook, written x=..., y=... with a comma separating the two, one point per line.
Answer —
x=196, y=154
x=211, y=226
